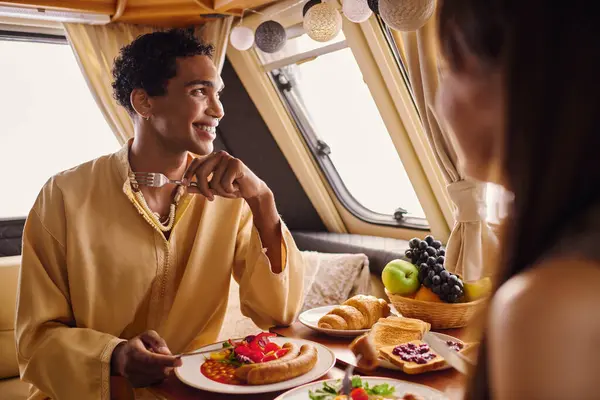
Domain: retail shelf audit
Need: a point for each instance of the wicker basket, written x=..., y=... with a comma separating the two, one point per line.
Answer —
x=439, y=315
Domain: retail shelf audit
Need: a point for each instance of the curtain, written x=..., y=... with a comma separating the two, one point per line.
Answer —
x=96, y=47
x=472, y=247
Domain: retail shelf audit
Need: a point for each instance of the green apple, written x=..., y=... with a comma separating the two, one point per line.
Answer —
x=401, y=277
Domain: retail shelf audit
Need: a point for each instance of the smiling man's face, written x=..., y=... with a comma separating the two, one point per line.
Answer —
x=187, y=115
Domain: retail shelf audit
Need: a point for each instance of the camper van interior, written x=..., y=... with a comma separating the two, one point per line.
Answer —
x=321, y=237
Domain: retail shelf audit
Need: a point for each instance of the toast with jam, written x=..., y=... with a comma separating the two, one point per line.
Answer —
x=416, y=357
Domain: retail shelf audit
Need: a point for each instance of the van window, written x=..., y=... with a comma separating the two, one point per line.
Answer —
x=341, y=124
x=50, y=121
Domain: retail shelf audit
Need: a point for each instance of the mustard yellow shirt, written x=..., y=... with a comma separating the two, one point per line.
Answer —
x=96, y=270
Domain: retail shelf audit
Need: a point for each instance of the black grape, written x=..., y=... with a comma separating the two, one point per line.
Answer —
x=429, y=257
x=445, y=288
x=444, y=275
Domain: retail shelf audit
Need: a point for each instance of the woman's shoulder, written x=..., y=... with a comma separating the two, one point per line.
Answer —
x=561, y=284
x=542, y=320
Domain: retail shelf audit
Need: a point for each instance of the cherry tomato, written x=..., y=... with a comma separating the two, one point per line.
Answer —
x=269, y=357
x=256, y=356
x=282, y=352
x=263, y=338
x=242, y=350
x=359, y=394
x=271, y=347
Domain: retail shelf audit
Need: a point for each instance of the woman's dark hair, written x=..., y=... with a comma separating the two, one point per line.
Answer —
x=150, y=61
x=550, y=59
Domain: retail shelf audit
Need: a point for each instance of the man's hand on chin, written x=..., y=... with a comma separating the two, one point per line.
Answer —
x=232, y=179
x=221, y=174
x=143, y=360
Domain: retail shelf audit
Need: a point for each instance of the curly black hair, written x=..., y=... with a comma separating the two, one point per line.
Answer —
x=150, y=61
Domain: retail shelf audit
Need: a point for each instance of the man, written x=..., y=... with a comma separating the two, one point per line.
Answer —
x=117, y=276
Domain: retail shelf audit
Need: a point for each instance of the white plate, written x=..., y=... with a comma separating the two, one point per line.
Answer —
x=189, y=373
x=386, y=364
x=402, y=388
x=310, y=318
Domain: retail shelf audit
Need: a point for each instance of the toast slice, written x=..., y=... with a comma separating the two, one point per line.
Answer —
x=392, y=331
x=434, y=362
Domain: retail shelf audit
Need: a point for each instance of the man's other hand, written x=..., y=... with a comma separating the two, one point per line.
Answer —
x=143, y=360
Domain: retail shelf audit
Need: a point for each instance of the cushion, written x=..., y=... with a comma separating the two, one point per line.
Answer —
x=329, y=279
x=336, y=278
x=9, y=274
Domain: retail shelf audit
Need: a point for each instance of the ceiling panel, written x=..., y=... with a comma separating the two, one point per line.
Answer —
x=239, y=5
x=95, y=6
x=159, y=12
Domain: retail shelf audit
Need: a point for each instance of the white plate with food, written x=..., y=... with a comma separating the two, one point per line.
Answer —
x=353, y=318
x=310, y=318
x=258, y=364
x=364, y=388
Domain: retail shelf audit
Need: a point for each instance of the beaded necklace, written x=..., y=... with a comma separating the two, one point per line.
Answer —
x=170, y=219
x=167, y=225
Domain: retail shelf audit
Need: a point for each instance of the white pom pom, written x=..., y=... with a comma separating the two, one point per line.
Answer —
x=356, y=10
x=242, y=38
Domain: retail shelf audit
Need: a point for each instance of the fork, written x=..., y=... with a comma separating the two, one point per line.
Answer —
x=347, y=381
x=156, y=179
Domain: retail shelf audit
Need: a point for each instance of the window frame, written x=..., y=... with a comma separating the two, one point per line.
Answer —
x=28, y=34
x=320, y=153
x=377, y=56
x=36, y=37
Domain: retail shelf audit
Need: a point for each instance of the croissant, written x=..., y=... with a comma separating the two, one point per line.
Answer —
x=358, y=312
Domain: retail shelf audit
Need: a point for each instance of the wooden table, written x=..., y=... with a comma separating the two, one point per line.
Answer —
x=450, y=382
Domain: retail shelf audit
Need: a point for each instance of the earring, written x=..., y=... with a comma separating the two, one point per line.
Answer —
x=146, y=117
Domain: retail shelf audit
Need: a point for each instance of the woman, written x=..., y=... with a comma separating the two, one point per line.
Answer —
x=520, y=95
